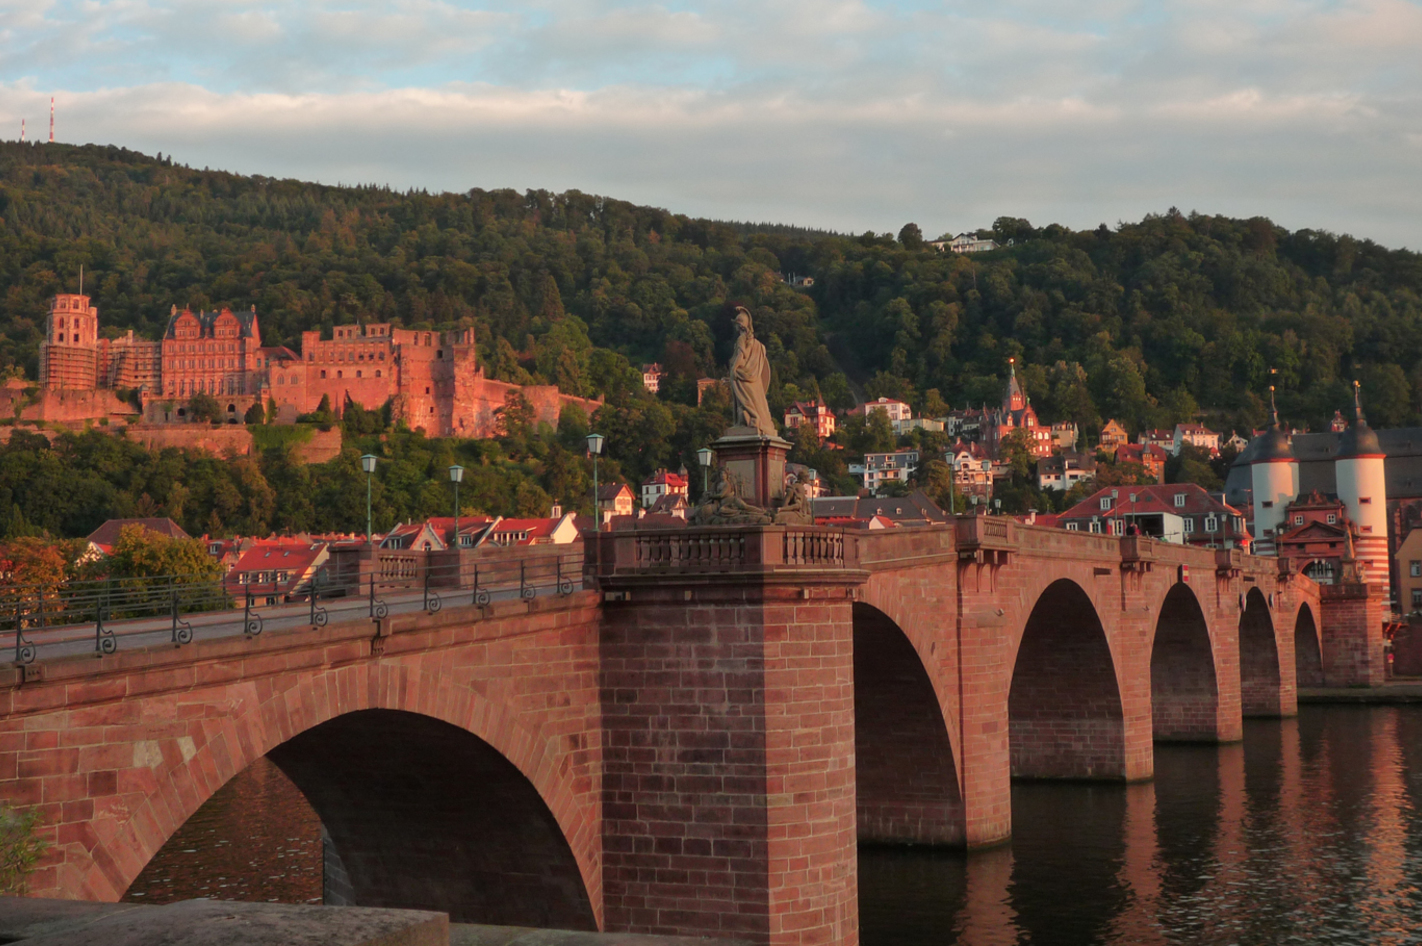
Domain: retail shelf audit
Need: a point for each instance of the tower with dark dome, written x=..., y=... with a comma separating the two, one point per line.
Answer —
x=1274, y=475
x=1362, y=487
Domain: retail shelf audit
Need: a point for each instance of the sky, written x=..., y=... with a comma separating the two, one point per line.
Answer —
x=850, y=115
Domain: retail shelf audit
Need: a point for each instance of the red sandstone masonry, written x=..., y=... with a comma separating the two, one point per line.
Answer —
x=697, y=744
x=125, y=750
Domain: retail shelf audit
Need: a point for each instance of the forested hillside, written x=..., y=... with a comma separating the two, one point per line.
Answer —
x=1171, y=318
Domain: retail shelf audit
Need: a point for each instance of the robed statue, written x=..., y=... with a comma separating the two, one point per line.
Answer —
x=750, y=379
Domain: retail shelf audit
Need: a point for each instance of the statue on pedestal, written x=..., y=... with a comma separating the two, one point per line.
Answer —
x=750, y=379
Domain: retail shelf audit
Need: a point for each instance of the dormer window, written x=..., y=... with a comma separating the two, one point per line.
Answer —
x=1179, y=500
x=1105, y=502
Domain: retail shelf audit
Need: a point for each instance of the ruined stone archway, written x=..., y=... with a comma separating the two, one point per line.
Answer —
x=1065, y=717
x=422, y=814
x=1308, y=654
x=906, y=777
x=1184, y=690
x=1260, y=689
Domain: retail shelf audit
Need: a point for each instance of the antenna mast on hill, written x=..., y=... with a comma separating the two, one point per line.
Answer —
x=51, y=119
x=22, y=129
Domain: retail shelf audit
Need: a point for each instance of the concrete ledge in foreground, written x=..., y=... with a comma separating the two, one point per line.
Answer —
x=461, y=934
x=34, y=922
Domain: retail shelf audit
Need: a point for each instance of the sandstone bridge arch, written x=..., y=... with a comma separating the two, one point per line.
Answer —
x=1065, y=713
x=1260, y=663
x=906, y=769
x=1187, y=702
x=427, y=806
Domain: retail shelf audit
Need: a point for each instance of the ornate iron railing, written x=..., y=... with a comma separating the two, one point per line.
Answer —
x=58, y=618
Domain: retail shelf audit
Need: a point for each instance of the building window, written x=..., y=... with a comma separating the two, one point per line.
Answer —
x=340, y=374
x=323, y=373
x=1417, y=597
x=1072, y=527
x=1415, y=569
x=1105, y=502
x=358, y=373
x=1179, y=500
x=1332, y=518
x=1298, y=520
x=1212, y=524
x=1365, y=499
x=1188, y=524
x=377, y=372
x=1095, y=525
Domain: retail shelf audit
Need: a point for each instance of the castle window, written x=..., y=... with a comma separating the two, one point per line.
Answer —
x=440, y=353
x=323, y=374
x=358, y=374
x=340, y=374
x=76, y=336
x=427, y=338
x=382, y=356
x=427, y=390
x=377, y=372
x=61, y=323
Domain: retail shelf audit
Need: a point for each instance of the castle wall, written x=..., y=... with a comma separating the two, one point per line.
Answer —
x=433, y=378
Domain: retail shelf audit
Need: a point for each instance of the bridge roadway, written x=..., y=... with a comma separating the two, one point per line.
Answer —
x=698, y=746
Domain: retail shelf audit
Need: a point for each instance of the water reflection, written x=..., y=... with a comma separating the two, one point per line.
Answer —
x=255, y=839
x=1306, y=833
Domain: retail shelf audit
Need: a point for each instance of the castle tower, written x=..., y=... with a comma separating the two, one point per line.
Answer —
x=1362, y=487
x=1274, y=473
x=69, y=353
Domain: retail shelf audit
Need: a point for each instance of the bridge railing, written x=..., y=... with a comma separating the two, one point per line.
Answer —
x=97, y=616
x=718, y=550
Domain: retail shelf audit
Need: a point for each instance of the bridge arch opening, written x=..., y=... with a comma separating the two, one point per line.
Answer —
x=1260, y=691
x=1065, y=719
x=418, y=813
x=1308, y=654
x=1184, y=692
x=906, y=779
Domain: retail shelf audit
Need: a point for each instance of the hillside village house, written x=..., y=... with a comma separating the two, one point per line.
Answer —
x=1197, y=435
x=882, y=467
x=1175, y=512
x=275, y=570
x=652, y=377
x=1064, y=470
x=1164, y=439
x=896, y=410
x=1113, y=435
x=1151, y=457
x=660, y=484
x=614, y=499
x=101, y=540
x=815, y=414
x=972, y=469
x=1017, y=413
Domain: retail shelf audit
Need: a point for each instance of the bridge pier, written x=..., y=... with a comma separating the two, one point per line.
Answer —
x=728, y=761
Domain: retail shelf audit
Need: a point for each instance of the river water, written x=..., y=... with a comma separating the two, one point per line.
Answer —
x=1308, y=832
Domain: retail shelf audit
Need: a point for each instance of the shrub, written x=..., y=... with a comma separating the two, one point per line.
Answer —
x=20, y=849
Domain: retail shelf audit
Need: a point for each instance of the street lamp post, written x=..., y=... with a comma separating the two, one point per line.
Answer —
x=456, y=476
x=595, y=448
x=704, y=456
x=367, y=463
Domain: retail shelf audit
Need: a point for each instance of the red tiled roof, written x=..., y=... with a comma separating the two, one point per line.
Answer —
x=107, y=534
x=665, y=478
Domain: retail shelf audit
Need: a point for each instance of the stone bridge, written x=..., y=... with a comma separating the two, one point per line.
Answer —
x=699, y=746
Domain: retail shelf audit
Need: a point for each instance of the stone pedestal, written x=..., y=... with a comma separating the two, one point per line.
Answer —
x=756, y=462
